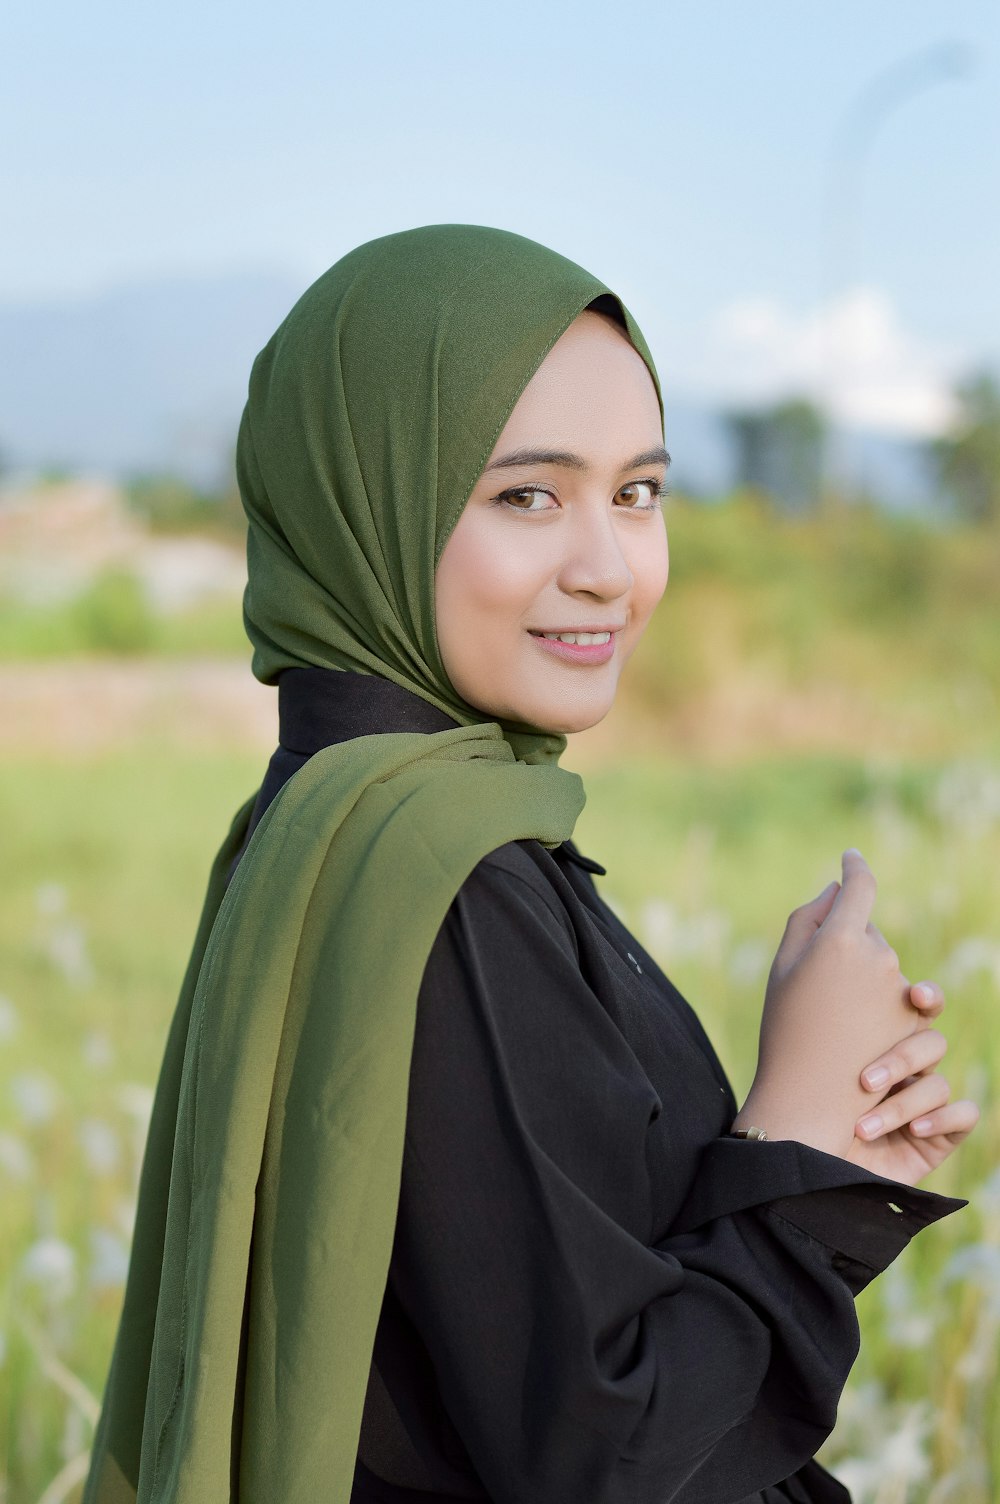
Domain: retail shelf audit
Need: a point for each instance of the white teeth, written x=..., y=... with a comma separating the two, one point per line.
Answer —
x=585, y=639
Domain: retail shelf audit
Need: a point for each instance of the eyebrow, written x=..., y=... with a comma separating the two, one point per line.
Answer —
x=520, y=457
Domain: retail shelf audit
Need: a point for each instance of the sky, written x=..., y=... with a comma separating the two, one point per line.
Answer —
x=691, y=155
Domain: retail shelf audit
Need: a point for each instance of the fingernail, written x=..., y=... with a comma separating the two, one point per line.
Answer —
x=852, y=851
x=870, y=1124
x=927, y=993
x=921, y=1125
x=877, y=1076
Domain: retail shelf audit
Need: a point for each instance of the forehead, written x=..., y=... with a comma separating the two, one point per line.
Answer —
x=593, y=388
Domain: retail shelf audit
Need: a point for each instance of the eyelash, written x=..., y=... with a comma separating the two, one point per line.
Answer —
x=659, y=489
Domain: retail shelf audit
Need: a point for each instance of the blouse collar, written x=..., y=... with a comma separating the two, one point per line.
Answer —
x=320, y=706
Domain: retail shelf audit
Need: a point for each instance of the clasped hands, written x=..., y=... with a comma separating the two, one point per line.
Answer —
x=848, y=1056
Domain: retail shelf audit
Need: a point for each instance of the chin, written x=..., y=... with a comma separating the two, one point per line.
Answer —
x=584, y=723
x=567, y=724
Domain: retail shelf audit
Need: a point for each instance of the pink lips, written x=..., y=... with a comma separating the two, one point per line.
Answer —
x=572, y=652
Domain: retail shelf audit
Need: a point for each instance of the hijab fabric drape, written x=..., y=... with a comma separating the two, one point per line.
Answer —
x=269, y=1186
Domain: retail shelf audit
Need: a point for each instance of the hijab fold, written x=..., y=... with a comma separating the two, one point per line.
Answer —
x=270, y=1181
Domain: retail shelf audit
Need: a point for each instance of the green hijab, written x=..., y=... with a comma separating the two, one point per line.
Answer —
x=269, y=1186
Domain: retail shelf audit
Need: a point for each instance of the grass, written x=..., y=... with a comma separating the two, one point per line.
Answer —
x=113, y=616
x=103, y=878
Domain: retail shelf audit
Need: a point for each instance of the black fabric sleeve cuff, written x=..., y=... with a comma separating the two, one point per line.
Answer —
x=859, y=1220
x=736, y=1174
x=861, y=1230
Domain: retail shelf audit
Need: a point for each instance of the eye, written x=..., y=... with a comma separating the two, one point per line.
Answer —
x=651, y=485
x=507, y=498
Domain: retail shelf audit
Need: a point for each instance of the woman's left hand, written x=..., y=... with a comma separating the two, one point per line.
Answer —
x=915, y=1125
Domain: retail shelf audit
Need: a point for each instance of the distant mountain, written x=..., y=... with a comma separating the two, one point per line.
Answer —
x=152, y=376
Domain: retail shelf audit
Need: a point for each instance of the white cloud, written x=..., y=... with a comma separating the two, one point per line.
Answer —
x=852, y=356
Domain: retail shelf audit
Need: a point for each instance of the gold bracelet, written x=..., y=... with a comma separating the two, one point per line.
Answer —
x=757, y=1133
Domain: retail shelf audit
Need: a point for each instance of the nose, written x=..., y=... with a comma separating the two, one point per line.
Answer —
x=594, y=563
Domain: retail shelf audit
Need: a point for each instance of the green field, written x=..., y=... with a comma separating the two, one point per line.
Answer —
x=104, y=868
x=805, y=686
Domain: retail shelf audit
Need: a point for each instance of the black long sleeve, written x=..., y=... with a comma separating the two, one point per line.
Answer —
x=619, y=1304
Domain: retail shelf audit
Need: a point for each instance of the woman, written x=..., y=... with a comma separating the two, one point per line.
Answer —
x=441, y=1198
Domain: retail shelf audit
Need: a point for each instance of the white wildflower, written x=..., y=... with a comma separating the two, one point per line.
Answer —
x=658, y=925
x=35, y=1096
x=100, y=1145
x=109, y=1259
x=909, y=1323
x=912, y=1329
x=667, y=934
x=974, y=954
x=976, y=1364
x=903, y=1452
x=15, y=1157
x=50, y=898
x=125, y=1210
x=750, y=962
x=988, y=1194
x=893, y=831
x=9, y=1020
x=97, y=1050
x=137, y=1100
x=978, y=1264
x=51, y=1264
x=66, y=947
x=967, y=796
x=859, y=1476
x=62, y=938
x=705, y=935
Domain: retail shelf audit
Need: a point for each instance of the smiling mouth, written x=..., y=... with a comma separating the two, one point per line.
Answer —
x=602, y=634
x=583, y=647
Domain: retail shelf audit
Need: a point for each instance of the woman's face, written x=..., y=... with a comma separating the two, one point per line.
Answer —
x=569, y=537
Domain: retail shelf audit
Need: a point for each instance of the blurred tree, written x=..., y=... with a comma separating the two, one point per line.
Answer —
x=966, y=462
x=114, y=615
x=169, y=504
x=779, y=450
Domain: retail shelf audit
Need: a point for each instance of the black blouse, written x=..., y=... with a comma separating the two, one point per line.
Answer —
x=595, y=1295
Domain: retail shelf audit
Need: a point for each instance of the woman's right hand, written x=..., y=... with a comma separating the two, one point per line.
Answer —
x=836, y=1000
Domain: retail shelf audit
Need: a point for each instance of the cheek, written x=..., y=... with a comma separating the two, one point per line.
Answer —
x=483, y=576
x=650, y=567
